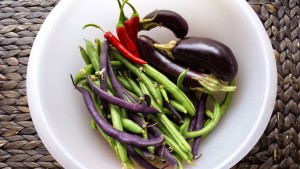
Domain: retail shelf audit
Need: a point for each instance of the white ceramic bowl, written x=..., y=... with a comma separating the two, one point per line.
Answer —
x=59, y=113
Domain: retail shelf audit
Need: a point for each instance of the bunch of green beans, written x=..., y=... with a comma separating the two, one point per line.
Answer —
x=138, y=81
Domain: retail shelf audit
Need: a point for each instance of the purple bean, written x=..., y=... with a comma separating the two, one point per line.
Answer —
x=163, y=151
x=103, y=75
x=114, y=82
x=193, y=121
x=144, y=163
x=138, y=120
x=121, y=103
x=174, y=111
x=133, y=116
x=120, y=136
x=125, y=91
x=148, y=155
x=199, y=124
x=103, y=67
x=155, y=132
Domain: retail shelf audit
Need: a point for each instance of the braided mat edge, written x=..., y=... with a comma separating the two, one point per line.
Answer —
x=21, y=147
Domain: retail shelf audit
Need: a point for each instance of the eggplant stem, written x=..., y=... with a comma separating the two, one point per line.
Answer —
x=211, y=84
x=168, y=47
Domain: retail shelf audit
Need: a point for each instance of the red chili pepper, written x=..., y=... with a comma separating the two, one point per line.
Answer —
x=127, y=23
x=133, y=24
x=128, y=26
x=118, y=45
x=123, y=34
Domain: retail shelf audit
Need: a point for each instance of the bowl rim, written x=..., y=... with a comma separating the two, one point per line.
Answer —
x=52, y=143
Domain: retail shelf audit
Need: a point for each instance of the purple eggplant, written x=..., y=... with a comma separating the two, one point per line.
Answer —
x=168, y=19
x=203, y=54
x=193, y=79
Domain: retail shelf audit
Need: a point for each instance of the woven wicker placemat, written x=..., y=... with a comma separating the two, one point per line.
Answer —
x=20, y=146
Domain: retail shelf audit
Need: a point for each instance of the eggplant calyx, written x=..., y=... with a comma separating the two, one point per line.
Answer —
x=168, y=47
x=148, y=20
x=211, y=84
x=149, y=25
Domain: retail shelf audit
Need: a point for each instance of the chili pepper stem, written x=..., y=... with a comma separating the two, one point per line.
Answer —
x=135, y=13
x=120, y=5
x=93, y=25
x=121, y=16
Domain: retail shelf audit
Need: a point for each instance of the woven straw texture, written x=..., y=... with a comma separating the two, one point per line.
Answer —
x=20, y=146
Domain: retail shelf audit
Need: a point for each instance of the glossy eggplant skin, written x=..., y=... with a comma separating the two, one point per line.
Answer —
x=162, y=63
x=168, y=19
x=206, y=54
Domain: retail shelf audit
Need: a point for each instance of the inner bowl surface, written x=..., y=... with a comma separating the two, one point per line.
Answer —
x=59, y=113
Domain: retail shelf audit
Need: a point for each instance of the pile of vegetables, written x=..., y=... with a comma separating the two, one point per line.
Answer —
x=149, y=100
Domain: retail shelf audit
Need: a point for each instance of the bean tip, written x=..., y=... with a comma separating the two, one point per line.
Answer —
x=197, y=156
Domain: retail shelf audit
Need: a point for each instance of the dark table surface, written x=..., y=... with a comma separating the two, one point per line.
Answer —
x=20, y=146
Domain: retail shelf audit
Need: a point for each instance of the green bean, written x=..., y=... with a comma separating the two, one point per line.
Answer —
x=136, y=89
x=109, y=86
x=158, y=94
x=146, y=91
x=125, y=83
x=116, y=120
x=167, y=111
x=123, y=113
x=144, y=127
x=132, y=126
x=179, y=160
x=98, y=46
x=178, y=106
x=138, y=73
x=160, y=125
x=82, y=73
x=227, y=99
x=92, y=52
x=205, y=124
x=145, y=136
x=175, y=92
x=209, y=113
x=180, y=80
x=177, y=149
x=175, y=125
x=133, y=95
x=115, y=63
x=163, y=93
x=185, y=125
x=168, y=128
x=93, y=124
x=84, y=55
x=176, y=135
x=210, y=126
